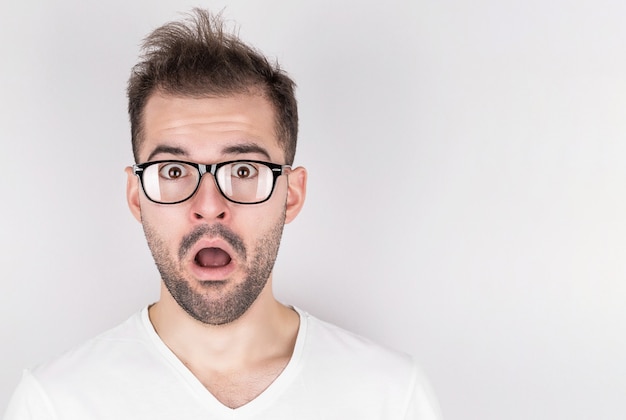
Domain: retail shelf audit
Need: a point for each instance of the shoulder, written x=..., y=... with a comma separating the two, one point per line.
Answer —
x=360, y=372
x=76, y=379
x=354, y=359
x=345, y=347
x=97, y=356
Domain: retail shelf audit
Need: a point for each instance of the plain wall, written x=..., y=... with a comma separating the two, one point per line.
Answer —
x=467, y=195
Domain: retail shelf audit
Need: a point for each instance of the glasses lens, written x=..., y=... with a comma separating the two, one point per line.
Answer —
x=245, y=182
x=170, y=182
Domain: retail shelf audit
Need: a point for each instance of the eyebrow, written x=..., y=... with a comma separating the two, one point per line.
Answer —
x=172, y=150
x=228, y=150
x=245, y=148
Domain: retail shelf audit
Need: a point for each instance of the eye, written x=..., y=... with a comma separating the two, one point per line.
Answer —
x=243, y=170
x=172, y=171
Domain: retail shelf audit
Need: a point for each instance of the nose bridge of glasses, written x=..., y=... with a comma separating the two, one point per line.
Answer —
x=209, y=169
x=203, y=169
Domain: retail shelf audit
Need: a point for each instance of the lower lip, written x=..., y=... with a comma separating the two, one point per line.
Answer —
x=212, y=273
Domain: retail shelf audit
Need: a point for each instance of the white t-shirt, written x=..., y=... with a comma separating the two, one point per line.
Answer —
x=129, y=373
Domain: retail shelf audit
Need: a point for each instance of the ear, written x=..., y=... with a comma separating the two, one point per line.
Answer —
x=132, y=193
x=296, y=192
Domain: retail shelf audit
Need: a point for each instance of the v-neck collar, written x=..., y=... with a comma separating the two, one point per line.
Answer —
x=212, y=404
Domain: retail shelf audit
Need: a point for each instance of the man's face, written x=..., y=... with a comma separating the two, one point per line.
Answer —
x=214, y=256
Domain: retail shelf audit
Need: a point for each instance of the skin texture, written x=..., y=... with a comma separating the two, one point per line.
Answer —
x=203, y=302
x=224, y=324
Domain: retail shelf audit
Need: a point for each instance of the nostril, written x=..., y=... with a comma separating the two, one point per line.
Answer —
x=199, y=216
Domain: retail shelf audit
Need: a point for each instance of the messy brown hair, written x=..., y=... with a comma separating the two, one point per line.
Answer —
x=197, y=57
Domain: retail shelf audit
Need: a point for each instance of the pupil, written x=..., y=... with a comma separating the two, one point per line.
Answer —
x=243, y=172
x=174, y=172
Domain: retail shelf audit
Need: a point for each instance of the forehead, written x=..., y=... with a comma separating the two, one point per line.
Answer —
x=206, y=127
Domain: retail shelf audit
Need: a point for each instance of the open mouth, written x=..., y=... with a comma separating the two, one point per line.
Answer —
x=212, y=258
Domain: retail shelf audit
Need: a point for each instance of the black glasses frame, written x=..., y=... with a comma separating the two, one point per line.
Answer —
x=277, y=170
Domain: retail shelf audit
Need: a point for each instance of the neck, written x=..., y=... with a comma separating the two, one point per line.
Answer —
x=267, y=330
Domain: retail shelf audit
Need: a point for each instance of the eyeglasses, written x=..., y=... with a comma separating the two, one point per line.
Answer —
x=239, y=181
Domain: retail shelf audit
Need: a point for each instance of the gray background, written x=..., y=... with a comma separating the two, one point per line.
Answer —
x=467, y=196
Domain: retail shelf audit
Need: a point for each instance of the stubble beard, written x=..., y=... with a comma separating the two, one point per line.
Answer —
x=205, y=302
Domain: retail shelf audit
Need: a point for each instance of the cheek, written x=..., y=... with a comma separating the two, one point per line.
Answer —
x=253, y=226
x=269, y=214
x=167, y=219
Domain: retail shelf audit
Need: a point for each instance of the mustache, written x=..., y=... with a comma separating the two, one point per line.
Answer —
x=212, y=231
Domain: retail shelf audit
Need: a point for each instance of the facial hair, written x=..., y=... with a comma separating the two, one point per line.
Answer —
x=205, y=301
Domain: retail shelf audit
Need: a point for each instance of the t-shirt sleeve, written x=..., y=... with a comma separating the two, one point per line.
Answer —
x=29, y=401
x=422, y=403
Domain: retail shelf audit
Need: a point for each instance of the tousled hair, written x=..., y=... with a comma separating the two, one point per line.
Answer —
x=198, y=58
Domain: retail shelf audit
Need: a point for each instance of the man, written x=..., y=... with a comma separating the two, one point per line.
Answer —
x=214, y=130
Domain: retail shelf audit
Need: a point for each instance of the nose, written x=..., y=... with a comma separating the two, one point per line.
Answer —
x=208, y=203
